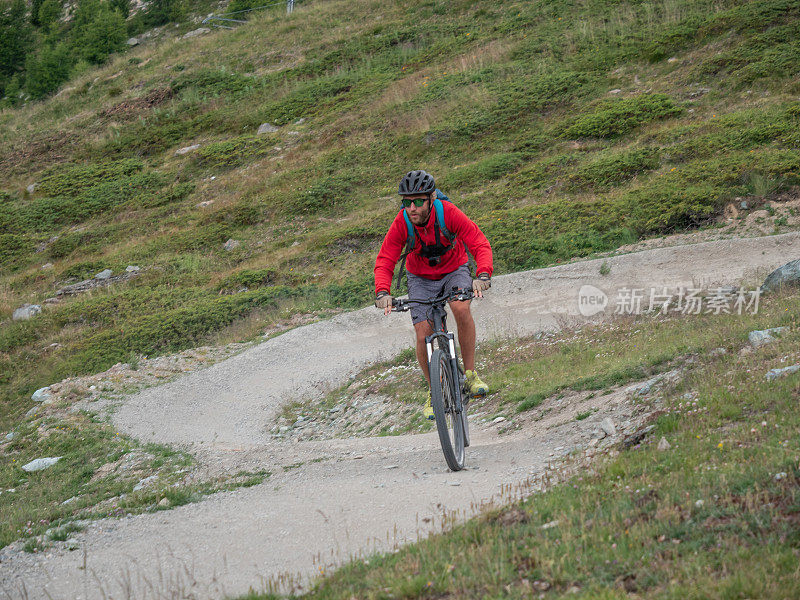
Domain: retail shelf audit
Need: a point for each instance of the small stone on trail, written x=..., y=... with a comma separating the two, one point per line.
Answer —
x=607, y=425
x=498, y=420
x=663, y=445
x=164, y=502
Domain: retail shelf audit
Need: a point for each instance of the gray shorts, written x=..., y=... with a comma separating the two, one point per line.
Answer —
x=420, y=288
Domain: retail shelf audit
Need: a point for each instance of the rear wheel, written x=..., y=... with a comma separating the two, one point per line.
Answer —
x=449, y=424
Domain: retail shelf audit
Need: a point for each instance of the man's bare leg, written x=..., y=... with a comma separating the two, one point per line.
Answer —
x=466, y=331
x=423, y=329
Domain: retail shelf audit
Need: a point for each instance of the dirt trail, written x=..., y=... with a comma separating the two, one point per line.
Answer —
x=349, y=496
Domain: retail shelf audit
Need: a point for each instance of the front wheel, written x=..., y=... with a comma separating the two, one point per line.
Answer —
x=449, y=424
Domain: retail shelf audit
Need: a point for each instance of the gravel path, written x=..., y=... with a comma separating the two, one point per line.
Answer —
x=350, y=496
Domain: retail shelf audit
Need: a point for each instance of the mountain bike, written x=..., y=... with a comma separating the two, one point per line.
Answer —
x=449, y=393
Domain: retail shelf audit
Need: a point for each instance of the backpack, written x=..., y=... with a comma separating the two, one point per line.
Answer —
x=435, y=252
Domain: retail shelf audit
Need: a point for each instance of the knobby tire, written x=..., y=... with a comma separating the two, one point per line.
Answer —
x=449, y=425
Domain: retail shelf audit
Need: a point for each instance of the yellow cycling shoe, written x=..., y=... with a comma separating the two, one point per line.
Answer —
x=475, y=385
x=427, y=412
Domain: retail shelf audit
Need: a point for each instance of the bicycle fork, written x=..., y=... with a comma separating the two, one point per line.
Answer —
x=453, y=366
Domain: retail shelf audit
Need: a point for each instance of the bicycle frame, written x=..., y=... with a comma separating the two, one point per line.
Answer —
x=440, y=332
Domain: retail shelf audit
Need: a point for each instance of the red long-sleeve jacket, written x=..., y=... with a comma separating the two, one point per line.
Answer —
x=457, y=222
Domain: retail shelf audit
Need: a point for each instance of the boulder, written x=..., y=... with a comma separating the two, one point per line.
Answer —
x=663, y=445
x=104, y=274
x=773, y=374
x=187, y=149
x=133, y=41
x=231, y=244
x=31, y=188
x=765, y=336
x=132, y=269
x=41, y=394
x=607, y=425
x=786, y=276
x=47, y=266
x=10, y=436
x=26, y=311
x=40, y=464
x=196, y=32
x=266, y=128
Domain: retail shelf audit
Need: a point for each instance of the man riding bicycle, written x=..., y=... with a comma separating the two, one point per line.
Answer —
x=436, y=261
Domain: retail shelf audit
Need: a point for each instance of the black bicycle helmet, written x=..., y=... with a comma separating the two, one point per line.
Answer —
x=416, y=182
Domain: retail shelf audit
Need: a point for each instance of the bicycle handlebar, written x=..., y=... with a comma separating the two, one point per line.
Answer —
x=401, y=305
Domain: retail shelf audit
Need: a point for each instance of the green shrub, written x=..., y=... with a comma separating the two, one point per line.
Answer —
x=536, y=174
x=249, y=278
x=520, y=98
x=71, y=180
x=611, y=169
x=483, y=171
x=83, y=270
x=100, y=198
x=213, y=82
x=47, y=69
x=324, y=193
x=234, y=152
x=99, y=34
x=160, y=12
x=13, y=248
x=613, y=118
x=307, y=98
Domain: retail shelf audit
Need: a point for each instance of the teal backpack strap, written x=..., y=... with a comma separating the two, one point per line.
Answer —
x=440, y=197
x=410, y=241
x=437, y=205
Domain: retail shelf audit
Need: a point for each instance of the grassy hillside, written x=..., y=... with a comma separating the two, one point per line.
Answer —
x=562, y=128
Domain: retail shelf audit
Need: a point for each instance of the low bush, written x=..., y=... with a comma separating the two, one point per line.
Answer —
x=71, y=180
x=214, y=82
x=483, y=171
x=613, y=168
x=306, y=98
x=234, y=152
x=613, y=118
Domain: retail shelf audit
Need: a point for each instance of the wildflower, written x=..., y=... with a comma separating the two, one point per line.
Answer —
x=719, y=445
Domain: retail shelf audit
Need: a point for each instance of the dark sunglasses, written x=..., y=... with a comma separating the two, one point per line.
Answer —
x=417, y=202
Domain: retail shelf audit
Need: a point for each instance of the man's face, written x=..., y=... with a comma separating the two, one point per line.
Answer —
x=418, y=215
